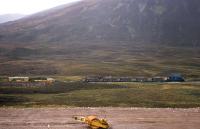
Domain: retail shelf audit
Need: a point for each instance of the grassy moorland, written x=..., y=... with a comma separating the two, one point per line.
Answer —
x=101, y=59
x=71, y=63
x=175, y=95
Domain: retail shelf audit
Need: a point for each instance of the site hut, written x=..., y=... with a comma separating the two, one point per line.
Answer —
x=149, y=79
x=93, y=79
x=125, y=79
x=18, y=79
x=38, y=79
x=89, y=79
x=142, y=79
x=159, y=79
x=108, y=79
x=43, y=79
x=115, y=79
x=133, y=79
x=51, y=80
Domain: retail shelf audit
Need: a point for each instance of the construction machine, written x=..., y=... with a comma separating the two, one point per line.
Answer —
x=93, y=122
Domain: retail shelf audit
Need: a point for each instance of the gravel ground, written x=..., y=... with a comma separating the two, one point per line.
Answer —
x=118, y=118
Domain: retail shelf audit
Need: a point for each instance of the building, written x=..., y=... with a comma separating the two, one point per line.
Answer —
x=93, y=79
x=43, y=79
x=159, y=79
x=142, y=79
x=18, y=79
x=125, y=79
x=51, y=80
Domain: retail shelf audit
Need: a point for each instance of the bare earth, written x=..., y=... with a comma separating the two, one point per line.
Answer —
x=119, y=118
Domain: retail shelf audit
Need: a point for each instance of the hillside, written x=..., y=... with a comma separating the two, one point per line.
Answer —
x=10, y=17
x=112, y=20
x=111, y=37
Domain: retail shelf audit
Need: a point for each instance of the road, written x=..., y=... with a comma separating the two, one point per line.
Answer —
x=119, y=118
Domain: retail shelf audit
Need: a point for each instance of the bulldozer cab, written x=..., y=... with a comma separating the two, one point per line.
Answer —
x=94, y=122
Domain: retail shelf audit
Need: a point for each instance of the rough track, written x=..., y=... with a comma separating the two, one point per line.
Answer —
x=119, y=118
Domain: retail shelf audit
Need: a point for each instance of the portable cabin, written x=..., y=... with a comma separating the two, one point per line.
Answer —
x=125, y=79
x=159, y=79
x=18, y=79
x=141, y=79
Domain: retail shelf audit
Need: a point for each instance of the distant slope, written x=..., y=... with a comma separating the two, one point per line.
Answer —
x=162, y=21
x=108, y=37
x=10, y=17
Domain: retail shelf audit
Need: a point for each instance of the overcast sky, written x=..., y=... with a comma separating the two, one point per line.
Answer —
x=29, y=6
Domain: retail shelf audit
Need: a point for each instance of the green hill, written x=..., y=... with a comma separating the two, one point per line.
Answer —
x=106, y=37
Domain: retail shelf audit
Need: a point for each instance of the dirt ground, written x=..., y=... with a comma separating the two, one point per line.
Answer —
x=118, y=118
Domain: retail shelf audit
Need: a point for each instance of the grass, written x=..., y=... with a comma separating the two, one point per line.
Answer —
x=175, y=95
x=104, y=59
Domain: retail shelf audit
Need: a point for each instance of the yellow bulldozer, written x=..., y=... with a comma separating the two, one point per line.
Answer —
x=93, y=122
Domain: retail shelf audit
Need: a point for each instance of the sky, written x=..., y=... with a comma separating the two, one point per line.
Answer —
x=29, y=6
